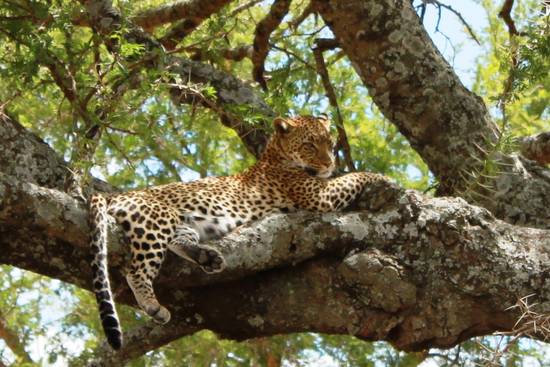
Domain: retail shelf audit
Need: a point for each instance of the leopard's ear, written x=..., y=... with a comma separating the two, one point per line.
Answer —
x=281, y=125
x=325, y=120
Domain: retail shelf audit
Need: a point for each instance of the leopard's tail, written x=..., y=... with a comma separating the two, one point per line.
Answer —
x=98, y=242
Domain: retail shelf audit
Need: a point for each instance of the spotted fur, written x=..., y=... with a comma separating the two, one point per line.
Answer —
x=292, y=174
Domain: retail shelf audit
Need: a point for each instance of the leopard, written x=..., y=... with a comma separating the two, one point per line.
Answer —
x=293, y=173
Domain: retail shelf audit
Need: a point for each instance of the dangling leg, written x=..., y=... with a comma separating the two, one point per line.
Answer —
x=186, y=244
x=148, y=225
x=144, y=269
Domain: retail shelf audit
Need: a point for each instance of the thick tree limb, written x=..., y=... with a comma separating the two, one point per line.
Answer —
x=415, y=271
x=261, y=38
x=536, y=147
x=417, y=90
x=27, y=157
x=412, y=84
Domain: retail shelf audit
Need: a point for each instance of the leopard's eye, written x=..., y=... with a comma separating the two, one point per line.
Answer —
x=309, y=146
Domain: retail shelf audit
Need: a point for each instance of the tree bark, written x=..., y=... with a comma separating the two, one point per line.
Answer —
x=449, y=126
x=536, y=147
x=412, y=84
x=416, y=271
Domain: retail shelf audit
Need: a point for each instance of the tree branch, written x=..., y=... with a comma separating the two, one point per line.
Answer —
x=244, y=7
x=308, y=10
x=230, y=91
x=261, y=38
x=42, y=166
x=342, y=142
x=439, y=257
x=459, y=16
x=504, y=14
x=405, y=268
x=417, y=90
x=139, y=341
x=180, y=30
x=415, y=271
x=195, y=10
x=412, y=84
x=238, y=53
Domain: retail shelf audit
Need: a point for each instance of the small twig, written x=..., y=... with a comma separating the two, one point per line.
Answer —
x=312, y=33
x=8, y=100
x=13, y=341
x=121, y=151
x=530, y=323
x=194, y=46
x=422, y=11
x=228, y=119
x=514, y=60
x=294, y=55
x=455, y=12
x=119, y=129
x=244, y=7
x=238, y=53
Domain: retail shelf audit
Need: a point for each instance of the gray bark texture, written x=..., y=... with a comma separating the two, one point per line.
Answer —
x=416, y=271
x=449, y=126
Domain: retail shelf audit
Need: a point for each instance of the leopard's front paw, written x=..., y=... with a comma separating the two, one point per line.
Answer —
x=210, y=260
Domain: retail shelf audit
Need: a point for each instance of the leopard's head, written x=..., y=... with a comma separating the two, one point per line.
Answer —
x=305, y=142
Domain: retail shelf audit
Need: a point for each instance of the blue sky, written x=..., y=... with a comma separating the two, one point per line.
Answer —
x=466, y=51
